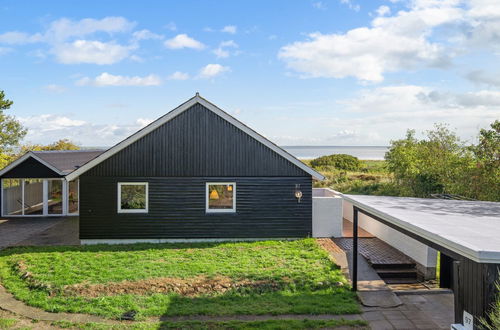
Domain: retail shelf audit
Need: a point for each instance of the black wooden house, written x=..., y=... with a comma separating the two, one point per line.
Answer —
x=194, y=173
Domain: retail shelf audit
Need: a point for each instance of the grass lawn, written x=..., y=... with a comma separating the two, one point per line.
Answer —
x=275, y=277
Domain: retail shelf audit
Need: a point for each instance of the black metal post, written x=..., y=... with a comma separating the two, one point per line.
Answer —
x=355, y=249
x=446, y=269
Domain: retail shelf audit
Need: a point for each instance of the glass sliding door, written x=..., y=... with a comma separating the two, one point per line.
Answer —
x=73, y=197
x=54, y=197
x=39, y=197
x=12, y=194
x=33, y=197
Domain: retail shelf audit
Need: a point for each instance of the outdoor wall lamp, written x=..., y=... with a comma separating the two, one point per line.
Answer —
x=298, y=193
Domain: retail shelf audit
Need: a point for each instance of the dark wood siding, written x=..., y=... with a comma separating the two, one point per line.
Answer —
x=474, y=288
x=196, y=143
x=31, y=168
x=266, y=207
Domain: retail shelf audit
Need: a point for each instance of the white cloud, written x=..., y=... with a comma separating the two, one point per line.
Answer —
x=389, y=111
x=231, y=29
x=146, y=35
x=142, y=122
x=50, y=122
x=47, y=128
x=222, y=51
x=484, y=17
x=171, y=26
x=392, y=43
x=53, y=88
x=212, y=70
x=68, y=40
x=319, y=5
x=96, y=52
x=351, y=5
x=178, y=75
x=383, y=10
x=62, y=29
x=16, y=37
x=482, y=77
x=5, y=50
x=106, y=79
x=376, y=115
x=181, y=41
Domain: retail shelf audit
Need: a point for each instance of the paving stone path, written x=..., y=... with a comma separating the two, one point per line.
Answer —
x=15, y=230
x=394, y=311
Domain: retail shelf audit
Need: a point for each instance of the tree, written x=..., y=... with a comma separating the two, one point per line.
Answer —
x=434, y=164
x=485, y=175
x=441, y=163
x=63, y=144
x=11, y=130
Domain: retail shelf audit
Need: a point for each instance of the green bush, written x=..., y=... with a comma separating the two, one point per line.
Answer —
x=339, y=161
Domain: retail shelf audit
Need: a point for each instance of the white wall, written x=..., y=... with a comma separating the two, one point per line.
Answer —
x=419, y=252
x=327, y=213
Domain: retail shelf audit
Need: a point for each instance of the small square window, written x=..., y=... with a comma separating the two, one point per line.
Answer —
x=221, y=197
x=132, y=197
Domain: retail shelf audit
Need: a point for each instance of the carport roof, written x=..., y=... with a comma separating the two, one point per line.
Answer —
x=62, y=162
x=468, y=228
x=66, y=161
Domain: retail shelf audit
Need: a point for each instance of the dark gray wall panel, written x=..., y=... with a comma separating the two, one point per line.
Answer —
x=31, y=168
x=266, y=207
x=196, y=143
x=474, y=288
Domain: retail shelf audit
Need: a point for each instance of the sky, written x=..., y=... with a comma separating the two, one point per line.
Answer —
x=329, y=72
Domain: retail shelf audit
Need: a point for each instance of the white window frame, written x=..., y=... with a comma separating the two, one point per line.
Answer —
x=45, y=212
x=67, y=195
x=119, y=206
x=207, y=198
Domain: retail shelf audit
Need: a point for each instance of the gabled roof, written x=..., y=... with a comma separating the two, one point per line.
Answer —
x=174, y=113
x=62, y=162
x=66, y=161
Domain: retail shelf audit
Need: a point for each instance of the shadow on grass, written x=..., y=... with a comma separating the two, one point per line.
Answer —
x=274, y=303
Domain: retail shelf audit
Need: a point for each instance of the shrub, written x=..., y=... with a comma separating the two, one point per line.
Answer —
x=339, y=161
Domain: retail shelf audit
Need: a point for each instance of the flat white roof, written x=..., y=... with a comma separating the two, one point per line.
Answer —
x=468, y=228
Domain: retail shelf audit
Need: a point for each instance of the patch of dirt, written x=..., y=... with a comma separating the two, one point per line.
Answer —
x=328, y=245
x=189, y=287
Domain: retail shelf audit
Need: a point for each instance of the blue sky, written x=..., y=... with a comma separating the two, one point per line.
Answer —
x=332, y=72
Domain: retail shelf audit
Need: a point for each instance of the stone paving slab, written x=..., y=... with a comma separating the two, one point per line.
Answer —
x=62, y=233
x=15, y=230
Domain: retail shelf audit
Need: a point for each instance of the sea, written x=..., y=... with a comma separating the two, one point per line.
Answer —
x=362, y=152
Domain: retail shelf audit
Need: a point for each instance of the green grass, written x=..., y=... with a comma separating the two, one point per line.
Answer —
x=372, y=179
x=7, y=323
x=309, y=283
x=243, y=325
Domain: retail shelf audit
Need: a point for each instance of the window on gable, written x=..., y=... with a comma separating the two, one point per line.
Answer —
x=221, y=197
x=132, y=197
